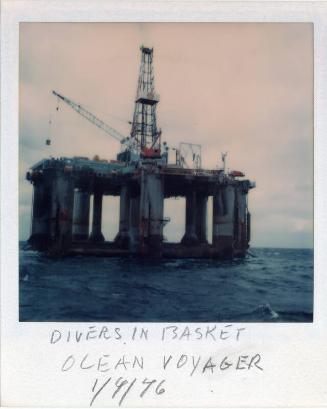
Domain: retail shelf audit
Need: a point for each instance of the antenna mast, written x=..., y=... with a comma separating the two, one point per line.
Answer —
x=223, y=158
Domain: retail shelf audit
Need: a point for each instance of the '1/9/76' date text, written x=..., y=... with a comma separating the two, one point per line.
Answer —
x=122, y=387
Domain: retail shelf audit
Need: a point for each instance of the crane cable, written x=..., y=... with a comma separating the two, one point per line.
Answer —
x=51, y=122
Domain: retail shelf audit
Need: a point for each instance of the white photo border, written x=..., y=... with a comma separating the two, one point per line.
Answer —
x=296, y=353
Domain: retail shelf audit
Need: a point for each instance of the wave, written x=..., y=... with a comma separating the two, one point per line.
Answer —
x=266, y=311
x=261, y=313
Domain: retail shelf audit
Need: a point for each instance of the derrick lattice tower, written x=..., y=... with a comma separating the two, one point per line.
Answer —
x=145, y=133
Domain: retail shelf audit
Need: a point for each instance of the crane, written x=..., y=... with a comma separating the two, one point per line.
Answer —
x=96, y=121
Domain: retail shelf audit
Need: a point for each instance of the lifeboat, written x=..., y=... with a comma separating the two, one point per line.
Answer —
x=236, y=173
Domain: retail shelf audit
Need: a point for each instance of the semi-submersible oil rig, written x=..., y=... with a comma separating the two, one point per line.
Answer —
x=143, y=179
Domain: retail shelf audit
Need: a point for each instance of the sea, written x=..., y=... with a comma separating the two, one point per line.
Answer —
x=269, y=285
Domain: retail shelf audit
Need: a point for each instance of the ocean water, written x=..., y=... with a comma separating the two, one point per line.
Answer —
x=271, y=285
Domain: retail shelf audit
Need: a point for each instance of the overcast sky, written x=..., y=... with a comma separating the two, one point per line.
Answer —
x=242, y=88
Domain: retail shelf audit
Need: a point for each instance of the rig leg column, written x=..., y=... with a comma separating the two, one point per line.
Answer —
x=156, y=203
x=241, y=222
x=190, y=237
x=81, y=214
x=223, y=221
x=134, y=228
x=54, y=213
x=151, y=213
x=65, y=202
x=248, y=228
x=40, y=230
x=201, y=217
x=144, y=213
x=96, y=234
x=123, y=237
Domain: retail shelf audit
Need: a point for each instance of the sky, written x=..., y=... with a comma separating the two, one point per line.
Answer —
x=244, y=88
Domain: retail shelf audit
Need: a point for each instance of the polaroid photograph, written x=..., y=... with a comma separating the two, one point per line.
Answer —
x=162, y=204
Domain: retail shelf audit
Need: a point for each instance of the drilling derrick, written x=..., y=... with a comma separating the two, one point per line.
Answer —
x=144, y=132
